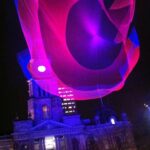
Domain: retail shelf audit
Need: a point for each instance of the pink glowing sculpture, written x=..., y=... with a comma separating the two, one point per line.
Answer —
x=87, y=46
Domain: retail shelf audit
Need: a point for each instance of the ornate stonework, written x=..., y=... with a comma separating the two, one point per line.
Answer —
x=48, y=128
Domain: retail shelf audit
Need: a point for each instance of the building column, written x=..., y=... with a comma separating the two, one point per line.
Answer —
x=57, y=139
x=41, y=144
x=68, y=142
x=82, y=142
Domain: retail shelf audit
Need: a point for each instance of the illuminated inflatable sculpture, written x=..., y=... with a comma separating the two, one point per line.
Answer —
x=87, y=46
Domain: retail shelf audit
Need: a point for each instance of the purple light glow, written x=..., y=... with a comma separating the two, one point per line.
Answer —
x=97, y=40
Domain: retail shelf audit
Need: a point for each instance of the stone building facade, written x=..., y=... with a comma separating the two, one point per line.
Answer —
x=51, y=135
x=49, y=128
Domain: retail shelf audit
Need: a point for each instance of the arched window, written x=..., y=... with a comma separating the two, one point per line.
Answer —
x=45, y=111
x=75, y=144
x=91, y=143
x=118, y=142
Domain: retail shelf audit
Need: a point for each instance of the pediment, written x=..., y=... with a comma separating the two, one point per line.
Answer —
x=49, y=125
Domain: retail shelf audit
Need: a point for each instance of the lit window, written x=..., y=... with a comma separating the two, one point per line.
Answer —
x=45, y=108
x=45, y=111
x=50, y=143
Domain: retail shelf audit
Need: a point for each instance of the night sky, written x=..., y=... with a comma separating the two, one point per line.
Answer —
x=13, y=93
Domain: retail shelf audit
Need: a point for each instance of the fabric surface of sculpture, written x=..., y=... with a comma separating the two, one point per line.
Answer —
x=87, y=46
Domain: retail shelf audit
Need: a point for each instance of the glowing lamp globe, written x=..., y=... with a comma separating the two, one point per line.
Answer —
x=41, y=68
x=113, y=121
x=87, y=44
